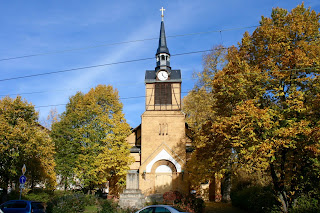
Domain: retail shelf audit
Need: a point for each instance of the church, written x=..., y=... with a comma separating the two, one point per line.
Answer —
x=160, y=145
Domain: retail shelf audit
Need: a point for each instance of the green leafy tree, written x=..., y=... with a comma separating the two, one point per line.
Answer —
x=90, y=140
x=24, y=141
x=264, y=104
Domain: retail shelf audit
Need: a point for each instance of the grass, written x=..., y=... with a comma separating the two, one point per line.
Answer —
x=91, y=209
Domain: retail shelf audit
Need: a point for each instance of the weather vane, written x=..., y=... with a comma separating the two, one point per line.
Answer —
x=162, y=13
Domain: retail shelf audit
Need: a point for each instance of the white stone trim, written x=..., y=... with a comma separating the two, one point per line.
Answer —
x=163, y=155
x=163, y=169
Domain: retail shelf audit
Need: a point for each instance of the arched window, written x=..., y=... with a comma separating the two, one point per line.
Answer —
x=162, y=57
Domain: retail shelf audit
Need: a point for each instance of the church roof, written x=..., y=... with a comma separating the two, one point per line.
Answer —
x=150, y=77
x=162, y=48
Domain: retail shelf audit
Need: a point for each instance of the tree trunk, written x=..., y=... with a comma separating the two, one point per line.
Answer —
x=226, y=187
x=279, y=188
x=284, y=201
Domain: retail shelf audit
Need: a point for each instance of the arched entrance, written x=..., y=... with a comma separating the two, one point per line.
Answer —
x=164, y=171
x=163, y=180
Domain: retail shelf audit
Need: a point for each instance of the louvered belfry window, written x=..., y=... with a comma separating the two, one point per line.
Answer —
x=163, y=94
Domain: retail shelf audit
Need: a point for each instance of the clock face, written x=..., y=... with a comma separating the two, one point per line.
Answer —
x=162, y=75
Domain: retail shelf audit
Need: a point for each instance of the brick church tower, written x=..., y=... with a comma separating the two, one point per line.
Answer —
x=159, y=143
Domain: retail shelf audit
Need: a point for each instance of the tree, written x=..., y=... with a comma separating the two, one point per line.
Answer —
x=90, y=139
x=24, y=141
x=200, y=112
x=265, y=103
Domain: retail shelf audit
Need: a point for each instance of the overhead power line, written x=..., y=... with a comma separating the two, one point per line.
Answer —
x=118, y=43
x=114, y=63
x=134, y=84
x=116, y=85
x=74, y=69
x=95, y=66
x=130, y=61
x=108, y=64
x=133, y=97
x=185, y=79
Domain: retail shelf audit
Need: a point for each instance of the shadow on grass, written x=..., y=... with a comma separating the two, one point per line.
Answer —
x=212, y=207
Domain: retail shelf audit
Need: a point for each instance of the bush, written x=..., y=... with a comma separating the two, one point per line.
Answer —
x=172, y=197
x=73, y=203
x=107, y=206
x=188, y=203
x=196, y=204
x=306, y=204
x=255, y=199
x=39, y=195
x=91, y=200
x=13, y=195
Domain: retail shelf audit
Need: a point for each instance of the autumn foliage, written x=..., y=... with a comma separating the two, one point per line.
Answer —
x=256, y=106
x=24, y=141
x=90, y=140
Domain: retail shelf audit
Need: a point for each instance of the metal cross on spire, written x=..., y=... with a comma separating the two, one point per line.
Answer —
x=162, y=13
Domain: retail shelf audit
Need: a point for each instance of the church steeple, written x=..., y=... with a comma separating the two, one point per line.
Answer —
x=162, y=48
x=163, y=84
x=163, y=55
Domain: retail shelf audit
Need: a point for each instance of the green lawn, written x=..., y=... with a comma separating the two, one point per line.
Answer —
x=212, y=207
x=91, y=209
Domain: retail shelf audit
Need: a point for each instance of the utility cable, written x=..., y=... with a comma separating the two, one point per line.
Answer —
x=118, y=43
x=126, y=98
x=135, y=97
x=184, y=79
x=123, y=42
x=95, y=66
x=108, y=64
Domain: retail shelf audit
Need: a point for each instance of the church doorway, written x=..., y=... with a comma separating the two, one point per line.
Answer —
x=163, y=180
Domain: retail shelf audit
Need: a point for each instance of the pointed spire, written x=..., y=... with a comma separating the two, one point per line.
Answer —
x=162, y=48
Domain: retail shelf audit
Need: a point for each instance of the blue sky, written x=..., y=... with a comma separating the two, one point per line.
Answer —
x=36, y=27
